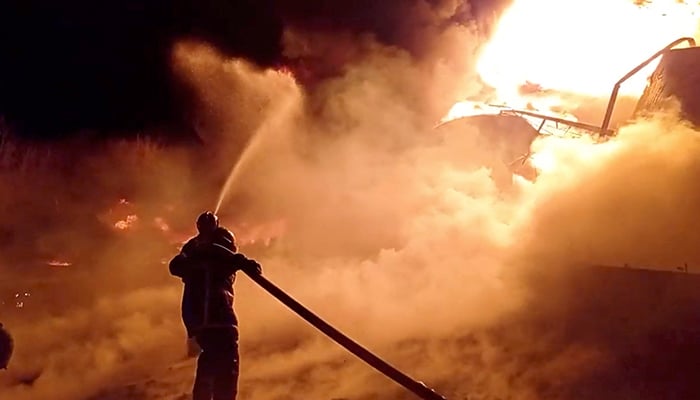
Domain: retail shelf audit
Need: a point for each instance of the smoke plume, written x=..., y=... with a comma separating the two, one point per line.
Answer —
x=395, y=233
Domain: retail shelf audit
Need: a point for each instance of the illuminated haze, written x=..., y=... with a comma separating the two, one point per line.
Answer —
x=394, y=233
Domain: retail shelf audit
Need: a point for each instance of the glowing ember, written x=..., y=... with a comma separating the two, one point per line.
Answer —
x=161, y=224
x=581, y=47
x=126, y=223
x=57, y=263
x=19, y=303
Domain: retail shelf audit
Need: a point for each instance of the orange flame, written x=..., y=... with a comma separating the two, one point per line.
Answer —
x=544, y=52
x=126, y=223
x=580, y=47
x=58, y=263
x=469, y=108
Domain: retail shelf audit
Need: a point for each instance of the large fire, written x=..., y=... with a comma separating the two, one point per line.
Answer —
x=547, y=56
x=577, y=47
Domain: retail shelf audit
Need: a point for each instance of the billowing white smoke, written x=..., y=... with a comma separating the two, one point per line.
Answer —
x=397, y=236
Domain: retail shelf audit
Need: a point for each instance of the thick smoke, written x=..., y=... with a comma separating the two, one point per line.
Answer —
x=395, y=233
x=401, y=238
x=412, y=25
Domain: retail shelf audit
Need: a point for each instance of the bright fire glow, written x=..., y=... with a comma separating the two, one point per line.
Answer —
x=544, y=161
x=58, y=263
x=543, y=52
x=126, y=223
x=469, y=108
x=552, y=153
x=581, y=46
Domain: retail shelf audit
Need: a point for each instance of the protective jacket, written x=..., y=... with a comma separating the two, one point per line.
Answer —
x=6, y=347
x=208, y=273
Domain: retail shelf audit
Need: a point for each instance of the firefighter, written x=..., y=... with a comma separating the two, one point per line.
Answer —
x=6, y=347
x=208, y=273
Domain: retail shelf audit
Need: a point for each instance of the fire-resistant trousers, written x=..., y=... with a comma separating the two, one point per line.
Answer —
x=217, y=365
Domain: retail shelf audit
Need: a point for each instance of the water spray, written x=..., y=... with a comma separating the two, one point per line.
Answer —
x=236, y=170
x=416, y=387
x=275, y=124
x=272, y=124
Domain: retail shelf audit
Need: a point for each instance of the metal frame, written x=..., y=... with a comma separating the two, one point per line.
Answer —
x=616, y=88
x=544, y=117
x=604, y=129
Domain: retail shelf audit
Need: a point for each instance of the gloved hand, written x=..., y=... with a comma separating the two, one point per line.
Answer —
x=253, y=266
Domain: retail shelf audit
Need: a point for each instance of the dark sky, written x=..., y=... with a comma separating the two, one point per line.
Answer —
x=102, y=65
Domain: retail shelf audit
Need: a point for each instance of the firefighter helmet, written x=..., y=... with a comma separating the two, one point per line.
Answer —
x=207, y=222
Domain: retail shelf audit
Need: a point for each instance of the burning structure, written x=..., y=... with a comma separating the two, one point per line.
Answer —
x=414, y=249
x=508, y=133
x=674, y=83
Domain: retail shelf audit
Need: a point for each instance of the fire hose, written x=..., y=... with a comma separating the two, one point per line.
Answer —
x=416, y=387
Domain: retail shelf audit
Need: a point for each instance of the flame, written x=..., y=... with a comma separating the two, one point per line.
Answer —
x=580, y=47
x=58, y=263
x=469, y=108
x=544, y=54
x=126, y=223
x=551, y=153
x=544, y=161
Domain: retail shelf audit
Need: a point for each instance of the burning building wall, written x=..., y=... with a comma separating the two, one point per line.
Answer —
x=675, y=83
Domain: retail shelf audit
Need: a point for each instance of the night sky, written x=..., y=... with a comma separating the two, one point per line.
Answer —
x=103, y=66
